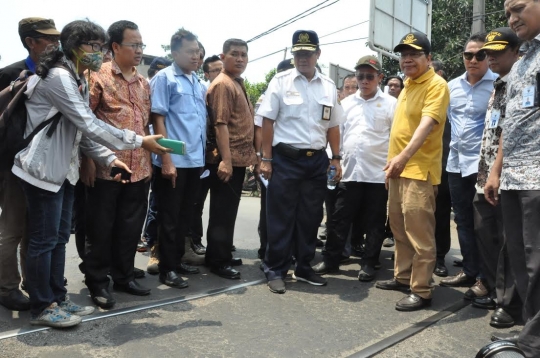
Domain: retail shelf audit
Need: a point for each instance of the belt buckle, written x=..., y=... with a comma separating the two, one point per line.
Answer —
x=309, y=153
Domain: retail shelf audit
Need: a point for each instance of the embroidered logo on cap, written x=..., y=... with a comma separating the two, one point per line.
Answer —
x=303, y=38
x=409, y=39
x=491, y=36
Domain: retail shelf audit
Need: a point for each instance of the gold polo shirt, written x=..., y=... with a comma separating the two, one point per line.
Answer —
x=428, y=95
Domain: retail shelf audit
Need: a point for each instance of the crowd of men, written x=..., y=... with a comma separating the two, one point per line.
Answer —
x=403, y=158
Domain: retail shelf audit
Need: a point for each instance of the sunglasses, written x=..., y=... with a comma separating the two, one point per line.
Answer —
x=480, y=55
x=368, y=76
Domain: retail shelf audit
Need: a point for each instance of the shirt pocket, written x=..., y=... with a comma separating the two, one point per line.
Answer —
x=380, y=122
x=293, y=106
x=181, y=101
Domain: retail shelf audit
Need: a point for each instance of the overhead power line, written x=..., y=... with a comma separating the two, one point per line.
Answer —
x=326, y=44
x=293, y=19
x=346, y=28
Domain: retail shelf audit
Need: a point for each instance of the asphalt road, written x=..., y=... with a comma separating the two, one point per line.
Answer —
x=216, y=317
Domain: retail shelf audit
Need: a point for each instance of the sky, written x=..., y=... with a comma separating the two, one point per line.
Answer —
x=213, y=21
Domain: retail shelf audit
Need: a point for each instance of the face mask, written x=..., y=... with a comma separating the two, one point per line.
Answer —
x=91, y=60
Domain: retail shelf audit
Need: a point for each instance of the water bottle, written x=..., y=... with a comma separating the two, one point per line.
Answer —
x=331, y=182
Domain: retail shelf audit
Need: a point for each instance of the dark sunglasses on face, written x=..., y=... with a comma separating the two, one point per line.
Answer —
x=368, y=76
x=480, y=55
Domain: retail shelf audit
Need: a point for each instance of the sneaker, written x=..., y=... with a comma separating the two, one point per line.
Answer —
x=54, y=316
x=73, y=308
x=388, y=242
x=312, y=278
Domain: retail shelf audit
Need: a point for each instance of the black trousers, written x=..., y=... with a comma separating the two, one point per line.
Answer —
x=353, y=199
x=174, y=206
x=262, y=228
x=488, y=225
x=114, y=219
x=294, y=205
x=196, y=226
x=521, y=216
x=443, y=209
x=224, y=202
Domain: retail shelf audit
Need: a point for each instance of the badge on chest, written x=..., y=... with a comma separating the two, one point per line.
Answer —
x=326, y=113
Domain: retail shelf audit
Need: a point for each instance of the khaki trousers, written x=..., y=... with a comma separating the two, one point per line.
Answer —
x=12, y=232
x=412, y=220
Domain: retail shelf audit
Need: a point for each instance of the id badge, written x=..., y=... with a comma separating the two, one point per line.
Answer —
x=326, y=113
x=528, y=97
x=494, y=120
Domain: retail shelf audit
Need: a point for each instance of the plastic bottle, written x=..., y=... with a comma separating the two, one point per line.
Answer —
x=331, y=183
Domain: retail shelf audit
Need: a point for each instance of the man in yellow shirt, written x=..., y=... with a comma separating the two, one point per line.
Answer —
x=413, y=172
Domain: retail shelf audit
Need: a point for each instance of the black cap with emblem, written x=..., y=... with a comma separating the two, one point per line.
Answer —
x=415, y=40
x=305, y=40
x=285, y=65
x=499, y=39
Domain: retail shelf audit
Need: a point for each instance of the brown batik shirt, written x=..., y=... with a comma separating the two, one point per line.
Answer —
x=228, y=104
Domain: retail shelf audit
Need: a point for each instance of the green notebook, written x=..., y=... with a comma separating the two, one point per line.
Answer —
x=177, y=146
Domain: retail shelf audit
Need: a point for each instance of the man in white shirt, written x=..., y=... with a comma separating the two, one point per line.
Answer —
x=300, y=114
x=361, y=192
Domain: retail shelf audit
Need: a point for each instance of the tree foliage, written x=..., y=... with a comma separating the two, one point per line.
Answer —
x=255, y=90
x=450, y=29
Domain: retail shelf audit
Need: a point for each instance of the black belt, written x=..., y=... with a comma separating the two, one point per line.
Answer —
x=295, y=153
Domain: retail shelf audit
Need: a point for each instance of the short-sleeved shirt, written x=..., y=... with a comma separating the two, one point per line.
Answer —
x=124, y=105
x=426, y=95
x=296, y=106
x=495, y=115
x=466, y=114
x=228, y=104
x=521, y=127
x=365, y=135
x=181, y=101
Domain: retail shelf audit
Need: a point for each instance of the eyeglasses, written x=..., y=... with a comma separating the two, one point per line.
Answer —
x=303, y=54
x=480, y=55
x=135, y=46
x=414, y=54
x=97, y=47
x=367, y=76
x=216, y=70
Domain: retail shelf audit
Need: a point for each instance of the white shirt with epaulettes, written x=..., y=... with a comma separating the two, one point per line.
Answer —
x=296, y=106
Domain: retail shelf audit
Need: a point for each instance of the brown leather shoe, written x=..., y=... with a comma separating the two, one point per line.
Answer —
x=459, y=280
x=477, y=290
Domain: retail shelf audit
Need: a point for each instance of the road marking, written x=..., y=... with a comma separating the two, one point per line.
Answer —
x=126, y=310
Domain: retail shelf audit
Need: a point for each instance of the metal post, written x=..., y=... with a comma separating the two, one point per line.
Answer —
x=285, y=53
x=478, y=23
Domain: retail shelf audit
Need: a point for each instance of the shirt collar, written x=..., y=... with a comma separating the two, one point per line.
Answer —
x=426, y=76
x=377, y=95
x=488, y=76
x=178, y=71
x=298, y=74
x=30, y=64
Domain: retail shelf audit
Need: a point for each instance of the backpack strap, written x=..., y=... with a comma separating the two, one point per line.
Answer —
x=54, y=120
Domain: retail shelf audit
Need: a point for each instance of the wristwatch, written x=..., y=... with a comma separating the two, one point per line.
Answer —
x=338, y=157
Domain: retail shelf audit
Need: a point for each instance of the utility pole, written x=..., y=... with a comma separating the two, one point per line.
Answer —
x=478, y=23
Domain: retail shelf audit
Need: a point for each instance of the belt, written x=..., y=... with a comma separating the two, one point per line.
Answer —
x=295, y=153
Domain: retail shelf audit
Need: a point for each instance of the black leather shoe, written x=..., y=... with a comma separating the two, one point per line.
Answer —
x=15, y=300
x=138, y=273
x=133, y=288
x=102, y=297
x=277, y=286
x=171, y=279
x=366, y=274
x=233, y=248
x=485, y=302
x=187, y=270
x=458, y=263
x=322, y=268
x=198, y=248
x=412, y=302
x=501, y=319
x=236, y=262
x=510, y=337
x=459, y=280
x=359, y=250
x=440, y=269
x=393, y=285
x=226, y=272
